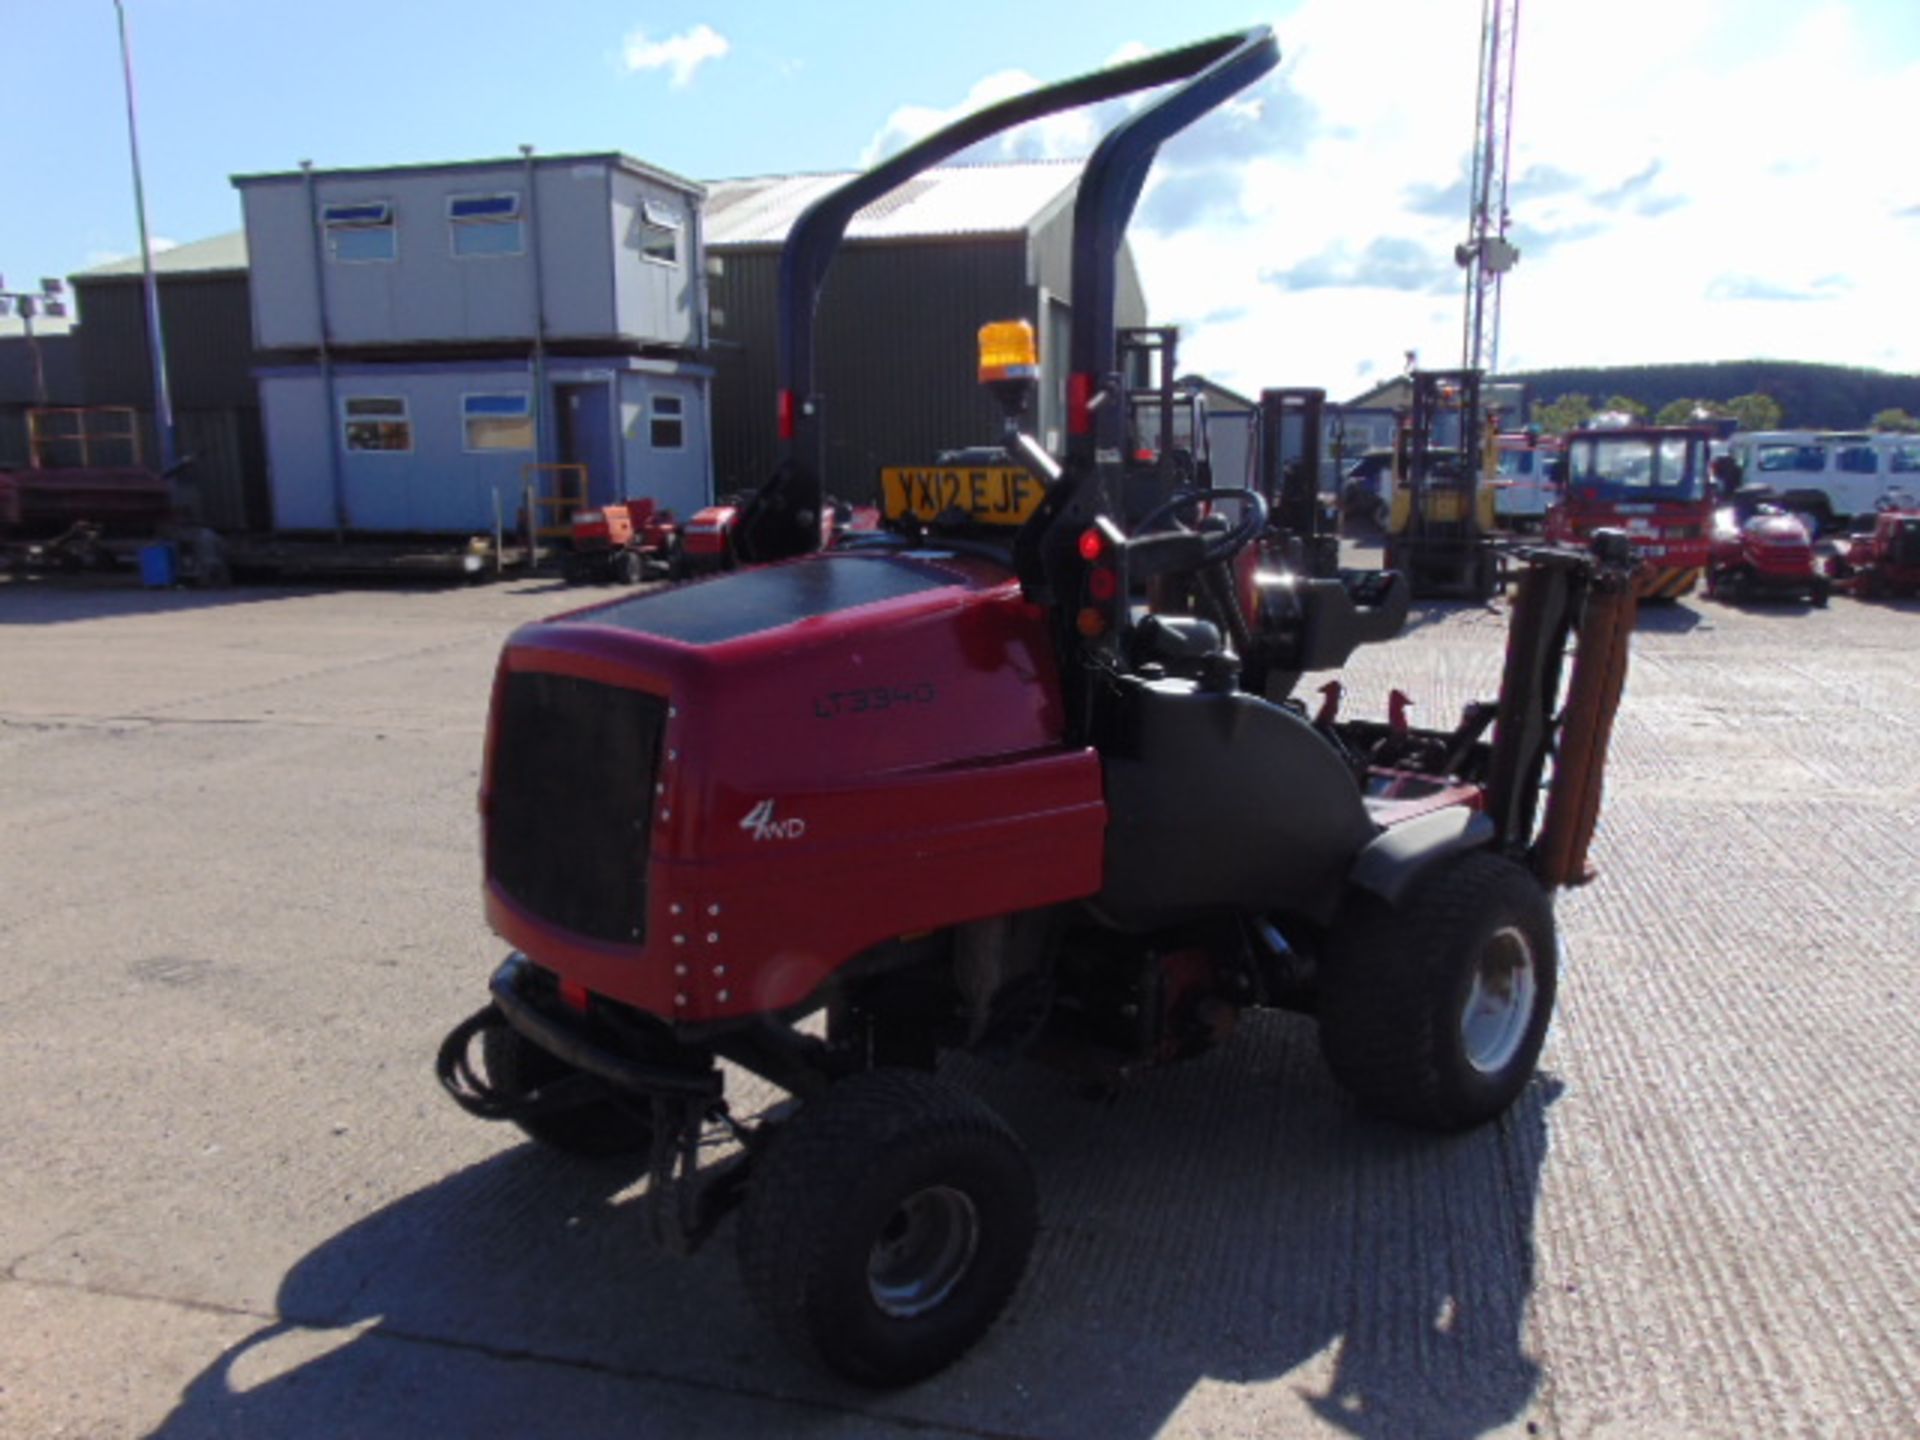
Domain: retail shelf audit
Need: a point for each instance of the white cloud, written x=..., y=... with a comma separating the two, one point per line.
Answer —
x=1071, y=134
x=1051, y=138
x=1700, y=181
x=681, y=54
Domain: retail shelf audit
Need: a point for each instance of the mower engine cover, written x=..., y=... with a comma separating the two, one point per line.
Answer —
x=878, y=751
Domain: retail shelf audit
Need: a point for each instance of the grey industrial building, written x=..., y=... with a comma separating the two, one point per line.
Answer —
x=41, y=367
x=203, y=312
x=921, y=270
x=608, y=314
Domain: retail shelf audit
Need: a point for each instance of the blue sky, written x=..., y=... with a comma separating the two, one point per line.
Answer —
x=1695, y=180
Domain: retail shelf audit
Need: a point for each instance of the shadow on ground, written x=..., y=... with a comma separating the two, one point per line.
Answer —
x=1670, y=617
x=1231, y=1221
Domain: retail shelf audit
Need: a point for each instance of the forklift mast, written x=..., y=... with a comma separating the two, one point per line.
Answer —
x=1167, y=443
x=1291, y=430
x=1440, y=397
x=1440, y=538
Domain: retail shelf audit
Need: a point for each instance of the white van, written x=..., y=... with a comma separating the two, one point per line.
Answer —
x=1829, y=474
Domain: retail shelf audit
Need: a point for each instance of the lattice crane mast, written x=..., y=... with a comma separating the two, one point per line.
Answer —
x=1487, y=254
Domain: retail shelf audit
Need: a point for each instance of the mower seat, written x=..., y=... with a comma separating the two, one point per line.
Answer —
x=1176, y=641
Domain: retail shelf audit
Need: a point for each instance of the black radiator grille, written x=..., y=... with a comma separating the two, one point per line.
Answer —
x=1906, y=545
x=571, y=822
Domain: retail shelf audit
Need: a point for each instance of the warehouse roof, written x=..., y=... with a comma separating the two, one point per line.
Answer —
x=950, y=200
x=216, y=253
x=612, y=158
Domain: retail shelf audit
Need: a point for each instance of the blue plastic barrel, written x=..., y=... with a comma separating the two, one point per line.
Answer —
x=159, y=565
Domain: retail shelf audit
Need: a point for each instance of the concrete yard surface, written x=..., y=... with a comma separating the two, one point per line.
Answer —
x=239, y=906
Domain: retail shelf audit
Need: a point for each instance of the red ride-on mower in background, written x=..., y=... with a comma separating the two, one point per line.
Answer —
x=954, y=786
x=1759, y=550
x=711, y=542
x=624, y=543
x=1885, y=561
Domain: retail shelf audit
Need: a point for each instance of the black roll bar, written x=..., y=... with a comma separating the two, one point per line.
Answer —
x=783, y=517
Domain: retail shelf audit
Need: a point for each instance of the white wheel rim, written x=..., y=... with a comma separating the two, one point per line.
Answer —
x=1499, y=1008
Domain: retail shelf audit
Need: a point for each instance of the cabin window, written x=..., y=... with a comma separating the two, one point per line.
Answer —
x=1856, y=460
x=484, y=225
x=667, y=428
x=497, y=422
x=1904, y=459
x=1676, y=462
x=1771, y=458
x=361, y=232
x=376, y=423
x=656, y=232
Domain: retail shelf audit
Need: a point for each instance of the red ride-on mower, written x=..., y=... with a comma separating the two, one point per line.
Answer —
x=1759, y=549
x=952, y=787
x=1885, y=562
x=711, y=538
x=624, y=543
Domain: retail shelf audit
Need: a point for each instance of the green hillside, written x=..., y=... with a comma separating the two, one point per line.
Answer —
x=1810, y=396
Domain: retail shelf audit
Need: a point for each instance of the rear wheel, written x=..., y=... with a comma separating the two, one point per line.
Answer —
x=887, y=1226
x=628, y=568
x=517, y=1068
x=1434, y=1012
x=1486, y=576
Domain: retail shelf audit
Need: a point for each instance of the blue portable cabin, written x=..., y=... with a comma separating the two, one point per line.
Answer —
x=433, y=335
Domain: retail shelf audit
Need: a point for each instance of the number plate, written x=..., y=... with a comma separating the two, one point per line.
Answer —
x=990, y=495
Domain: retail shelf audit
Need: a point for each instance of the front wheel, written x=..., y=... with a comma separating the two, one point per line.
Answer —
x=887, y=1226
x=1434, y=1012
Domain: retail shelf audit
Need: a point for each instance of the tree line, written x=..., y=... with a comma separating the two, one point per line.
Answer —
x=1760, y=394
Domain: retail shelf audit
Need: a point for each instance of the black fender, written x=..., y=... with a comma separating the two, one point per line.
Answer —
x=1393, y=860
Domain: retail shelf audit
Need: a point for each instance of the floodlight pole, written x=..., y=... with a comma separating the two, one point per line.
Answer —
x=39, y=365
x=156, y=344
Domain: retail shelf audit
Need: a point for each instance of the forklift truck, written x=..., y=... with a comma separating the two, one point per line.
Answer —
x=1440, y=527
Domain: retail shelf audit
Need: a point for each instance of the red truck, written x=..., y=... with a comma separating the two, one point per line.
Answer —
x=1652, y=483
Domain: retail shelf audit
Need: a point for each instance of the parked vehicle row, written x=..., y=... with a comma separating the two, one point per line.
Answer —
x=1830, y=476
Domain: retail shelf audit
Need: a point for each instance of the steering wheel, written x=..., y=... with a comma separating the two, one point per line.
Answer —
x=1223, y=546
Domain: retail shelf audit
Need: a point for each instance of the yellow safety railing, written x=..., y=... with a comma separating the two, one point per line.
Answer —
x=557, y=491
x=73, y=436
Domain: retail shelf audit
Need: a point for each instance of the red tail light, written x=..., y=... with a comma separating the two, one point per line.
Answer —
x=1079, y=403
x=785, y=413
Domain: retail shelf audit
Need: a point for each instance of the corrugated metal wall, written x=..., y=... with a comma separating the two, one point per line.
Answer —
x=209, y=335
x=897, y=349
x=897, y=355
x=59, y=361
